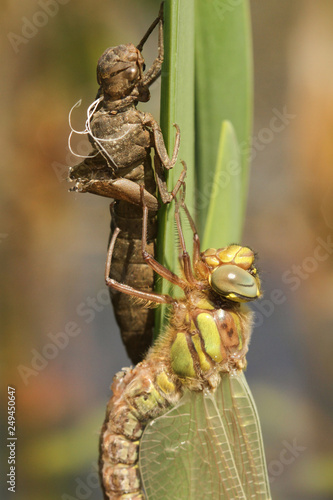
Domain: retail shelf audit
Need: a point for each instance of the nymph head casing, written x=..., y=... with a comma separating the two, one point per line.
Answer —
x=119, y=70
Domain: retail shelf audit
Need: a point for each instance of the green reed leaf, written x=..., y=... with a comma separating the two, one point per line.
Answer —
x=224, y=217
x=177, y=106
x=223, y=90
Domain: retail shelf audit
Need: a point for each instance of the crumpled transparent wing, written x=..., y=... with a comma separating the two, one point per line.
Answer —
x=208, y=446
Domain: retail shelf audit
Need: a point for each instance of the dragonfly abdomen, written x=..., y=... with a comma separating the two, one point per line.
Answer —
x=139, y=395
x=135, y=321
x=194, y=359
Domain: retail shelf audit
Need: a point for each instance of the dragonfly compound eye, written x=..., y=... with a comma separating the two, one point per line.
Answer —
x=235, y=283
x=131, y=73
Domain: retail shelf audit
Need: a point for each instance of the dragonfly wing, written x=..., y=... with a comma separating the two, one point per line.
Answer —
x=239, y=413
x=198, y=449
x=186, y=454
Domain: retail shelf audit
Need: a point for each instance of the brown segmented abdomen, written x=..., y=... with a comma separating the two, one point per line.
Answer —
x=136, y=399
x=135, y=321
x=132, y=157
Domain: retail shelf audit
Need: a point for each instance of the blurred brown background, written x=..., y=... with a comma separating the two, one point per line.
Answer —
x=60, y=346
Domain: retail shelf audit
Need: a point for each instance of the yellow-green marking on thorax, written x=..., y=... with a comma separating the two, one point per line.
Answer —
x=204, y=363
x=210, y=335
x=205, y=304
x=181, y=358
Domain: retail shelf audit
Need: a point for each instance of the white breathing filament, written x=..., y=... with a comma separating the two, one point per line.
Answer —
x=87, y=130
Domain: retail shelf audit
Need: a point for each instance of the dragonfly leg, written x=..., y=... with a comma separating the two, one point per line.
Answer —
x=160, y=146
x=151, y=29
x=129, y=290
x=160, y=180
x=185, y=258
x=196, y=239
x=149, y=259
x=155, y=70
x=180, y=182
x=158, y=142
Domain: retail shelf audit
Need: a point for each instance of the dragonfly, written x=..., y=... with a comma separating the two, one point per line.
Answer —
x=123, y=138
x=182, y=424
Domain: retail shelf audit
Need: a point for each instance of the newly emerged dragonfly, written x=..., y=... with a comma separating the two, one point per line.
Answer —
x=122, y=139
x=182, y=424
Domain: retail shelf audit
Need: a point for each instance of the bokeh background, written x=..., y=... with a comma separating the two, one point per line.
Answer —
x=53, y=243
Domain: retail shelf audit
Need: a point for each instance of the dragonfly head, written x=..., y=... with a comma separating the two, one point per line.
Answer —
x=231, y=272
x=119, y=70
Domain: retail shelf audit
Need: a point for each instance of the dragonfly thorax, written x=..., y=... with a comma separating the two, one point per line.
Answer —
x=210, y=341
